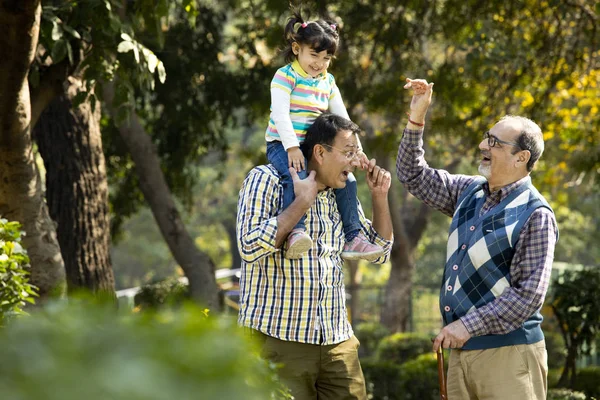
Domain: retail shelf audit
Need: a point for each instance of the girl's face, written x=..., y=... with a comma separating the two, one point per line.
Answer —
x=312, y=63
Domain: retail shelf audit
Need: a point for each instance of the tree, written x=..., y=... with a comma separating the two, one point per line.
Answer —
x=70, y=143
x=577, y=310
x=21, y=197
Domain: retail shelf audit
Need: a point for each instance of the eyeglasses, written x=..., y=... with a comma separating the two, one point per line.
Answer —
x=349, y=154
x=493, y=140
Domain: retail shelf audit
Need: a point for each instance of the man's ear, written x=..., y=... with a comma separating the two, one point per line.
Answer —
x=524, y=156
x=318, y=154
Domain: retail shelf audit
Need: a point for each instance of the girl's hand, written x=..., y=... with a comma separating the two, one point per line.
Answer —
x=296, y=159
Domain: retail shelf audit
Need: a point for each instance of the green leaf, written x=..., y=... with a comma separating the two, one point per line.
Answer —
x=125, y=46
x=59, y=51
x=162, y=74
x=57, y=32
x=72, y=31
x=152, y=62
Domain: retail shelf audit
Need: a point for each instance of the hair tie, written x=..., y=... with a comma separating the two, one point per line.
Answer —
x=304, y=24
x=333, y=26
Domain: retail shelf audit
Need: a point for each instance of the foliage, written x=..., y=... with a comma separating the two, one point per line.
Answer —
x=555, y=346
x=588, y=381
x=577, y=309
x=414, y=379
x=565, y=394
x=419, y=378
x=15, y=291
x=170, y=293
x=401, y=347
x=80, y=351
x=370, y=334
x=382, y=379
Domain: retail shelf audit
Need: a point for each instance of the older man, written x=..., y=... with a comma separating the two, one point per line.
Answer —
x=296, y=308
x=499, y=256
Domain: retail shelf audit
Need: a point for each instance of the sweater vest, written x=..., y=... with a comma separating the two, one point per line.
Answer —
x=479, y=255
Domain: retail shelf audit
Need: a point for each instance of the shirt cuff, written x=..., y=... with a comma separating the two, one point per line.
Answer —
x=413, y=137
x=473, y=321
x=264, y=237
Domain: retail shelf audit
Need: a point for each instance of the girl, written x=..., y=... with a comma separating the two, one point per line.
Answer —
x=301, y=91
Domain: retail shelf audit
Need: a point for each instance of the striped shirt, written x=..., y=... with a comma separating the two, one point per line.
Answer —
x=531, y=265
x=294, y=300
x=297, y=99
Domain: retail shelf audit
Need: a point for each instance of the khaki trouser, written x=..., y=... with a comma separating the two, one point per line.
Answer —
x=323, y=372
x=504, y=373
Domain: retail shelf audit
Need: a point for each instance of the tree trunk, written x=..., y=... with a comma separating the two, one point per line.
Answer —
x=354, y=290
x=395, y=313
x=197, y=266
x=21, y=196
x=70, y=143
x=567, y=378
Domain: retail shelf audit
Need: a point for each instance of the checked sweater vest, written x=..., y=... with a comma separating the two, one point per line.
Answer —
x=479, y=255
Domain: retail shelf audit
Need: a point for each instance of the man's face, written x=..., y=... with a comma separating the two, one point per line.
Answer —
x=498, y=164
x=338, y=160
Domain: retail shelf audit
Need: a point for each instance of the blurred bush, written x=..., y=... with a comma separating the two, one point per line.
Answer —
x=415, y=379
x=82, y=351
x=170, y=293
x=401, y=347
x=557, y=350
x=564, y=394
x=588, y=381
x=382, y=379
x=370, y=334
x=15, y=290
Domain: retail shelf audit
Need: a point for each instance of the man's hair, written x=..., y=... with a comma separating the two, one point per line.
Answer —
x=530, y=138
x=324, y=130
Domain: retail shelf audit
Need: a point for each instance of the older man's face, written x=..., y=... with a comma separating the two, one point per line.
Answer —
x=498, y=163
x=338, y=160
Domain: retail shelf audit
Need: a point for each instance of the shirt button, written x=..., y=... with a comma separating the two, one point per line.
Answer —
x=455, y=267
x=447, y=308
x=464, y=246
x=449, y=287
x=472, y=228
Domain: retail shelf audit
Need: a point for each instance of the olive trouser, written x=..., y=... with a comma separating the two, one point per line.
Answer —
x=323, y=372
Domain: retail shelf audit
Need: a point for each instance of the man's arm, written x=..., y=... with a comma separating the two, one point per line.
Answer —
x=380, y=230
x=256, y=224
x=435, y=187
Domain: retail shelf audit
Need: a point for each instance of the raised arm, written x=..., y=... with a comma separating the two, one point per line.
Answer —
x=435, y=187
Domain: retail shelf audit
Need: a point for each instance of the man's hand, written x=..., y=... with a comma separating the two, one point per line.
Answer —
x=452, y=336
x=378, y=179
x=305, y=189
x=421, y=99
x=295, y=158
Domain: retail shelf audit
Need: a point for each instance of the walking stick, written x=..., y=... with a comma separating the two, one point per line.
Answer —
x=441, y=374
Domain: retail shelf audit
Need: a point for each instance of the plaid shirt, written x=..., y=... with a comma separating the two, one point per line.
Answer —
x=534, y=252
x=295, y=300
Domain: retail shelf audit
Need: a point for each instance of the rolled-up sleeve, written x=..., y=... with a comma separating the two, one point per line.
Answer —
x=257, y=216
x=374, y=237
